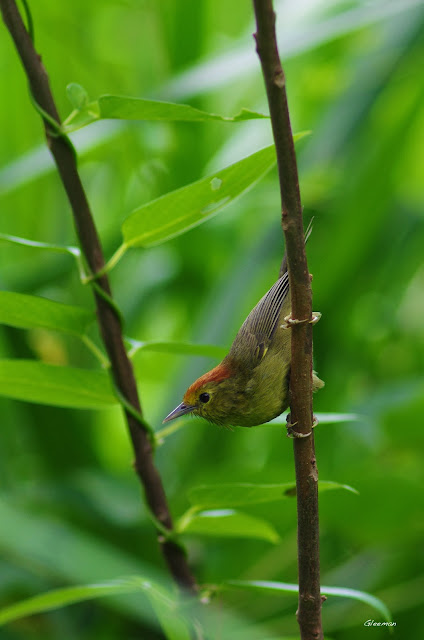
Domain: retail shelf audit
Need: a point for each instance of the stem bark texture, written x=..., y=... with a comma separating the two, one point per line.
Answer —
x=301, y=413
x=108, y=320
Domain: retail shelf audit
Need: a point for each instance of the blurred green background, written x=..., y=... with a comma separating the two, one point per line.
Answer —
x=72, y=511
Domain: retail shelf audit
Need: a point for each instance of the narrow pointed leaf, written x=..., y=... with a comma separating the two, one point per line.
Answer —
x=227, y=523
x=26, y=312
x=45, y=246
x=180, y=348
x=185, y=208
x=342, y=592
x=127, y=108
x=322, y=418
x=333, y=418
x=43, y=383
x=69, y=595
x=236, y=494
x=163, y=603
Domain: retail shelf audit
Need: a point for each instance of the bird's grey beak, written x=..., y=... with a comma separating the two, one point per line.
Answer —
x=181, y=410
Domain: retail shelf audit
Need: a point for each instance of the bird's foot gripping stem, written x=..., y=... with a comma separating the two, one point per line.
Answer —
x=289, y=321
x=291, y=433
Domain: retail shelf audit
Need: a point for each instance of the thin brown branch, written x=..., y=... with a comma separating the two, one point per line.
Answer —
x=309, y=611
x=109, y=323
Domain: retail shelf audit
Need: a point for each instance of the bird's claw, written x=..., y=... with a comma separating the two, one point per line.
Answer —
x=291, y=433
x=316, y=317
x=289, y=321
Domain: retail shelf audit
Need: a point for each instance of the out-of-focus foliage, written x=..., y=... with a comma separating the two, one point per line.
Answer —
x=70, y=509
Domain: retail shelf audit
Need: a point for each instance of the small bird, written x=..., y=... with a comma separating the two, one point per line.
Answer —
x=251, y=385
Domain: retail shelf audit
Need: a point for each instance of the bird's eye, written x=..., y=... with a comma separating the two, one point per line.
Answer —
x=204, y=397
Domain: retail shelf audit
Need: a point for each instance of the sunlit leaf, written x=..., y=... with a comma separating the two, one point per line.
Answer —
x=77, y=95
x=226, y=523
x=322, y=418
x=185, y=208
x=127, y=108
x=332, y=418
x=25, y=311
x=342, y=592
x=33, y=244
x=43, y=383
x=235, y=494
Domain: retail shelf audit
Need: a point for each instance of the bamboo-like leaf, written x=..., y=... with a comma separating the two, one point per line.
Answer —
x=180, y=348
x=164, y=604
x=185, y=208
x=334, y=418
x=342, y=592
x=127, y=108
x=323, y=418
x=239, y=493
x=43, y=383
x=70, y=595
x=75, y=252
x=25, y=311
x=45, y=246
x=226, y=523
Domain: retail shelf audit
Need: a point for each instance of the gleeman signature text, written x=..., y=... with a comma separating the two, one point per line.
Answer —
x=373, y=623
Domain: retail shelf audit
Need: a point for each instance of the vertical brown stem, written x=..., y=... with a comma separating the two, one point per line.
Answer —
x=309, y=611
x=108, y=320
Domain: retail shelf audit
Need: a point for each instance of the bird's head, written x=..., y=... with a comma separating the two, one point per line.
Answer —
x=207, y=397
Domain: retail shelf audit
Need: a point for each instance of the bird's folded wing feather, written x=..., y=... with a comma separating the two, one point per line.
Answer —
x=254, y=336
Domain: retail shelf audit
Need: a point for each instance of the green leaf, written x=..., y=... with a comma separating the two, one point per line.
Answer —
x=173, y=625
x=33, y=244
x=328, y=485
x=44, y=246
x=323, y=418
x=342, y=592
x=164, y=604
x=24, y=311
x=77, y=95
x=180, y=348
x=43, y=383
x=127, y=108
x=239, y=493
x=64, y=553
x=333, y=418
x=226, y=523
x=185, y=208
x=71, y=595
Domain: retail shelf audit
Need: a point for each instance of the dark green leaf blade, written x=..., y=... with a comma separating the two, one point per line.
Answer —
x=43, y=383
x=242, y=493
x=342, y=592
x=164, y=604
x=26, y=312
x=227, y=523
x=69, y=595
x=180, y=348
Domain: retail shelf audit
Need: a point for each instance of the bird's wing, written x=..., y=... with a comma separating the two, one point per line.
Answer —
x=254, y=336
